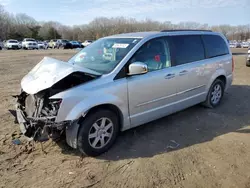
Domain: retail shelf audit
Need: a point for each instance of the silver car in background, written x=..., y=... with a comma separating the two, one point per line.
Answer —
x=120, y=82
x=248, y=58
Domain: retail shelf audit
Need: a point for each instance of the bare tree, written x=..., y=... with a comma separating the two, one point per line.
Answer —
x=21, y=25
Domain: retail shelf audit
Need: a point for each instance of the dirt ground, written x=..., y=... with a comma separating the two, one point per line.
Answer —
x=213, y=151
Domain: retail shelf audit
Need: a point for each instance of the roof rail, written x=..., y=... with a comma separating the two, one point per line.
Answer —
x=174, y=30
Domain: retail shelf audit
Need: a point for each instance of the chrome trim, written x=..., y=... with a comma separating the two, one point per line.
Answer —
x=170, y=104
x=165, y=97
x=155, y=100
x=191, y=89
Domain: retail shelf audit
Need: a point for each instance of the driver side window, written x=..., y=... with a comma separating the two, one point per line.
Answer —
x=155, y=54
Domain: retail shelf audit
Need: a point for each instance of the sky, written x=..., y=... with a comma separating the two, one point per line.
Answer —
x=76, y=12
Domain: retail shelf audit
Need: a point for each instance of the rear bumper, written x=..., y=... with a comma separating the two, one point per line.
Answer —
x=31, y=46
x=229, y=81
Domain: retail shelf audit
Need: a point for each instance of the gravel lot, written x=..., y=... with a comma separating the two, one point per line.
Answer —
x=213, y=151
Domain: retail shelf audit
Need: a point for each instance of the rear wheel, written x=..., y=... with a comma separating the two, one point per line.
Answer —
x=98, y=132
x=215, y=94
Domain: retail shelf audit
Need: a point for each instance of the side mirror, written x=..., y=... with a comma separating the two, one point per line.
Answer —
x=137, y=68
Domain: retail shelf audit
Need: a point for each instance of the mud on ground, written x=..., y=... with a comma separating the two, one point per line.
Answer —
x=213, y=151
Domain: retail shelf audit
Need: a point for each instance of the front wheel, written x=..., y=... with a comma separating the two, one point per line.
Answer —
x=215, y=94
x=98, y=132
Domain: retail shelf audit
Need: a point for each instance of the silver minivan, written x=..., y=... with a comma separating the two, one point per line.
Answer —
x=120, y=82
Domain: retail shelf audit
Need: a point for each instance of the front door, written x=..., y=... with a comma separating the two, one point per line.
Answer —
x=151, y=95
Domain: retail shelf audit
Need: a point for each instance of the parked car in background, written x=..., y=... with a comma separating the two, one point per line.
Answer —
x=1, y=45
x=65, y=44
x=75, y=44
x=120, y=82
x=245, y=45
x=248, y=57
x=20, y=44
x=53, y=43
x=29, y=43
x=237, y=45
x=12, y=44
x=46, y=43
x=41, y=45
x=80, y=43
x=86, y=43
x=232, y=45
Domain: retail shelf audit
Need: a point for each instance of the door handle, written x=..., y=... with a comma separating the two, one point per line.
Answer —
x=183, y=72
x=169, y=76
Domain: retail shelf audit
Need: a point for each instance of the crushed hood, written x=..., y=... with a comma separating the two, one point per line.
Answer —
x=48, y=72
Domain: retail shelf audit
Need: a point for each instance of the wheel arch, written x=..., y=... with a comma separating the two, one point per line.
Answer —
x=106, y=106
x=73, y=130
x=219, y=74
x=223, y=79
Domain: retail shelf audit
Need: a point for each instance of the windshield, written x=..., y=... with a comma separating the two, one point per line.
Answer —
x=104, y=54
x=64, y=40
x=12, y=41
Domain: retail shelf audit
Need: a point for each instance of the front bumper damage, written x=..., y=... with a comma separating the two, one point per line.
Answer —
x=38, y=128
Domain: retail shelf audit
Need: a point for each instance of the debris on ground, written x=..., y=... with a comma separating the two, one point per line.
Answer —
x=16, y=142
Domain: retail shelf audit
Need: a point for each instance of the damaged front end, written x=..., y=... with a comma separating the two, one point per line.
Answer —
x=36, y=112
x=36, y=115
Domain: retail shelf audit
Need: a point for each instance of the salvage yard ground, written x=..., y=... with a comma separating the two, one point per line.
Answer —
x=213, y=150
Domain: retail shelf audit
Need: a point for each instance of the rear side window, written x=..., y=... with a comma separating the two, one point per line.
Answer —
x=187, y=48
x=215, y=46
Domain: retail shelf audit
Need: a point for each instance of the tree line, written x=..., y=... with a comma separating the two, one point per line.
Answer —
x=19, y=26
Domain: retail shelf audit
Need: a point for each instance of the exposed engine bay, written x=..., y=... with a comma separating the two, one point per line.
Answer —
x=36, y=113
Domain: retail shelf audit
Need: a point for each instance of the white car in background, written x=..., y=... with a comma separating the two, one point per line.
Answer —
x=29, y=43
x=245, y=45
x=248, y=58
x=41, y=45
x=232, y=45
x=11, y=44
x=86, y=43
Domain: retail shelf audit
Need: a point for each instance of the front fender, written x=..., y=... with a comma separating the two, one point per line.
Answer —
x=84, y=106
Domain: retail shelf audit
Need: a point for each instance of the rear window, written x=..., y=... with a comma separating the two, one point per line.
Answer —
x=215, y=46
x=187, y=48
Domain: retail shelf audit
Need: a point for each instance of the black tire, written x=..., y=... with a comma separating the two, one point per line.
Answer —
x=248, y=63
x=83, y=142
x=208, y=103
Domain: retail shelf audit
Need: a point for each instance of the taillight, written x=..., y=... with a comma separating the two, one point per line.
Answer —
x=232, y=64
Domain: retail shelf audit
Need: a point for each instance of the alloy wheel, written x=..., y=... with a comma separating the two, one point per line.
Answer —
x=100, y=133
